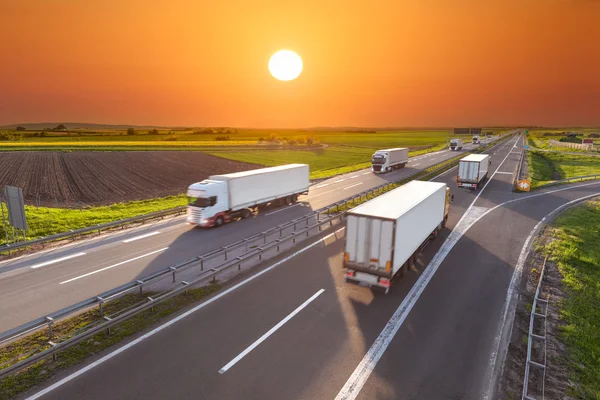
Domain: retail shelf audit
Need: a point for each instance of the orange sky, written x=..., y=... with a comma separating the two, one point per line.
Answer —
x=366, y=63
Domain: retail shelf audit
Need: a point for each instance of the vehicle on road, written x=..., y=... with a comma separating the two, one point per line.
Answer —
x=476, y=139
x=473, y=170
x=386, y=160
x=456, y=144
x=385, y=235
x=221, y=198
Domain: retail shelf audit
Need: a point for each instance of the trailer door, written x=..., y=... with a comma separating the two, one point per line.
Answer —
x=369, y=241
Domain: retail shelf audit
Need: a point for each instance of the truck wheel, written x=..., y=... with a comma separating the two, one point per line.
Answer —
x=219, y=221
x=388, y=169
x=294, y=198
x=245, y=214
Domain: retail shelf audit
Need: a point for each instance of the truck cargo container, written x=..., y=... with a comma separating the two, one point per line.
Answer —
x=385, y=235
x=473, y=170
x=386, y=160
x=221, y=198
x=456, y=144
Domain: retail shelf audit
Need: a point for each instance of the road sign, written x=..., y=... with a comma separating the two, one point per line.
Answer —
x=526, y=147
x=524, y=185
x=526, y=132
x=16, y=207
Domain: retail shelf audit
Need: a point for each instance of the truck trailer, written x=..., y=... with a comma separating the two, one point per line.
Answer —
x=473, y=170
x=386, y=160
x=222, y=198
x=385, y=235
x=456, y=144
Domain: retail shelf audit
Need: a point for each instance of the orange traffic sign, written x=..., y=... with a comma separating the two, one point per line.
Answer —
x=524, y=185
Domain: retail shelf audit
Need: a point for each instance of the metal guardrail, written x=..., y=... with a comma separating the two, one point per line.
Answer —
x=569, y=180
x=91, y=229
x=212, y=271
x=532, y=336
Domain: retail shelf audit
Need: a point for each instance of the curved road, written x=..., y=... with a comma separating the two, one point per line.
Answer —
x=297, y=331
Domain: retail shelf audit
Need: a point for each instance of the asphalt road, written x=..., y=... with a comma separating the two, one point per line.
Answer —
x=298, y=331
x=44, y=282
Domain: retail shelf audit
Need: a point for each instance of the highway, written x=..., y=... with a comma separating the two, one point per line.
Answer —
x=297, y=331
x=48, y=281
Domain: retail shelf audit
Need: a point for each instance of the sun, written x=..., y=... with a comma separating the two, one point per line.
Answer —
x=285, y=65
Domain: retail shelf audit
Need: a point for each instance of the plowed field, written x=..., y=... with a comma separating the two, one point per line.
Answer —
x=65, y=179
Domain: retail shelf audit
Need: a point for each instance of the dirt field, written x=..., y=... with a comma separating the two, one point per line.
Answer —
x=65, y=179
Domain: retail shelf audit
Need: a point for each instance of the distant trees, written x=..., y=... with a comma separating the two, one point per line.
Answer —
x=153, y=131
x=131, y=131
x=60, y=127
x=20, y=128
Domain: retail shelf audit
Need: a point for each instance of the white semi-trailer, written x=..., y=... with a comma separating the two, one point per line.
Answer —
x=221, y=198
x=473, y=170
x=386, y=160
x=456, y=144
x=385, y=235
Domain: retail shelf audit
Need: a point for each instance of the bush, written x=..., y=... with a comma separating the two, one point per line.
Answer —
x=131, y=131
x=20, y=128
x=261, y=139
x=170, y=138
x=292, y=141
x=594, y=135
x=312, y=140
x=570, y=139
x=11, y=136
x=222, y=138
x=153, y=131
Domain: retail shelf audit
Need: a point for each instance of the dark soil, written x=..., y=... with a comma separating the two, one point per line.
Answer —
x=62, y=179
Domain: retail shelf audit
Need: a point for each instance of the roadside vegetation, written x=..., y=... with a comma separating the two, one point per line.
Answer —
x=540, y=138
x=546, y=167
x=44, y=370
x=44, y=221
x=576, y=251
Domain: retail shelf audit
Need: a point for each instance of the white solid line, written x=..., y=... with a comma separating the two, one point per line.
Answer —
x=321, y=186
x=174, y=320
x=414, y=165
x=133, y=239
x=352, y=177
x=338, y=181
x=269, y=333
x=505, y=173
x=351, y=186
x=114, y=265
x=367, y=173
x=282, y=209
x=43, y=264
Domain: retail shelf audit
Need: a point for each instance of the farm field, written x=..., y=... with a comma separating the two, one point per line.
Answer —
x=540, y=138
x=545, y=167
x=64, y=179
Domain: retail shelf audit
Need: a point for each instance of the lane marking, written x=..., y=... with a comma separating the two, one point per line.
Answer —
x=443, y=173
x=57, y=260
x=505, y=173
x=113, y=266
x=359, y=377
x=414, y=165
x=283, y=209
x=352, y=177
x=174, y=320
x=351, y=186
x=133, y=239
x=341, y=180
x=321, y=186
x=312, y=196
x=269, y=333
x=367, y=173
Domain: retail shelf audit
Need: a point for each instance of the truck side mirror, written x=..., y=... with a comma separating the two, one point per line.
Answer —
x=451, y=198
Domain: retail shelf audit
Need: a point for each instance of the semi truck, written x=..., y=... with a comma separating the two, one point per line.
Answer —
x=222, y=198
x=384, y=236
x=476, y=139
x=386, y=160
x=473, y=170
x=456, y=144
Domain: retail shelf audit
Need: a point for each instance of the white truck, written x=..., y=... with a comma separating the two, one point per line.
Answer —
x=476, y=139
x=221, y=198
x=456, y=144
x=386, y=160
x=473, y=170
x=385, y=235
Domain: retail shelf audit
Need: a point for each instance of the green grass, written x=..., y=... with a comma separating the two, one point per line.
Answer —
x=44, y=221
x=537, y=138
x=576, y=251
x=324, y=163
x=44, y=370
x=545, y=167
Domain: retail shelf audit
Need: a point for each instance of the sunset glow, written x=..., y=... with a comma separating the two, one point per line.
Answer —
x=388, y=63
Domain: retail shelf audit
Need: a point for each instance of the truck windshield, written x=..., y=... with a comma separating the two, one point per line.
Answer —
x=453, y=143
x=199, y=201
x=378, y=159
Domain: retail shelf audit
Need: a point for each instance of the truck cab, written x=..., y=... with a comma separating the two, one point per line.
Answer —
x=476, y=139
x=207, y=203
x=380, y=161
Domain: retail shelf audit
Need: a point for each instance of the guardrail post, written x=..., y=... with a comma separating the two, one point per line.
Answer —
x=174, y=270
x=100, y=303
x=224, y=249
x=50, y=321
x=141, y=283
x=201, y=263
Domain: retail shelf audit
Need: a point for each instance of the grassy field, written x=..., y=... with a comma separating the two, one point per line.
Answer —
x=576, y=251
x=44, y=221
x=540, y=138
x=546, y=167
